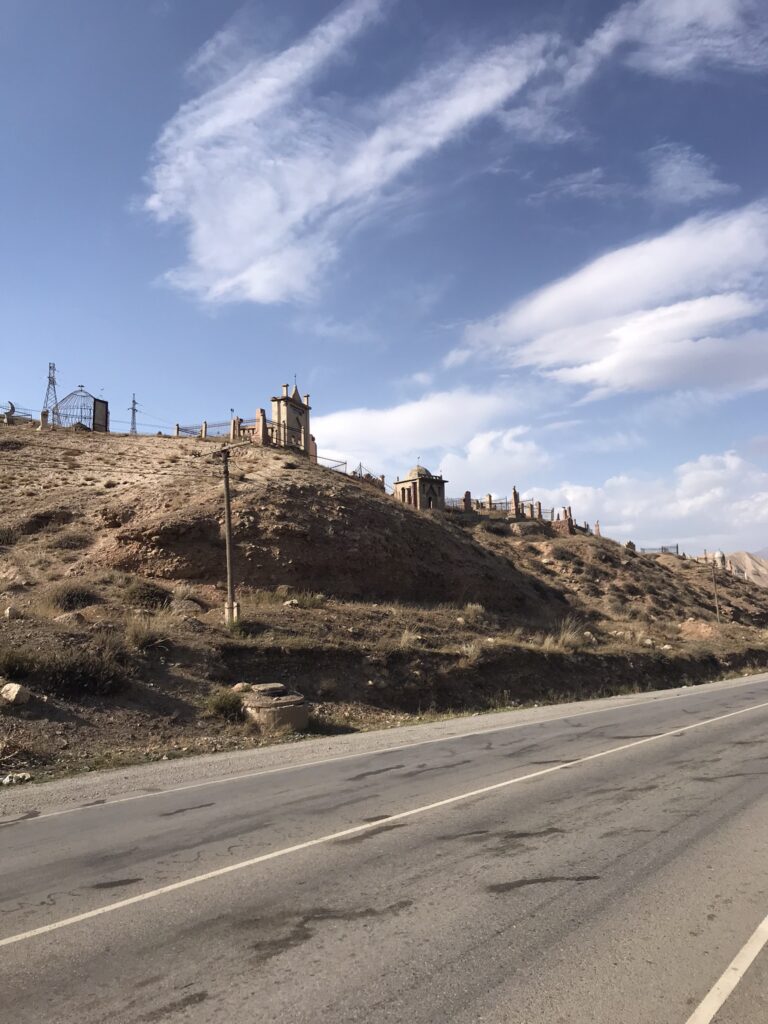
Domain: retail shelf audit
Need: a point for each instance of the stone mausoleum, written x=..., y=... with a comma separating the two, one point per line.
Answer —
x=421, y=489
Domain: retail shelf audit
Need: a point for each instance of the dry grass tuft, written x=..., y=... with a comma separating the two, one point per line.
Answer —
x=308, y=599
x=15, y=663
x=70, y=540
x=224, y=703
x=96, y=667
x=474, y=613
x=144, y=631
x=409, y=639
x=69, y=597
x=146, y=594
x=568, y=636
x=8, y=535
x=471, y=651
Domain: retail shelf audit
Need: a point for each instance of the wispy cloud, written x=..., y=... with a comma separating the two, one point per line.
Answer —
x=675, y=175
x=590, y=184
x=678, y=37
x=329, y=328
x=268, y=179
x=642, y=316
x=666, y=38
x=678, y=174
x=271, y=169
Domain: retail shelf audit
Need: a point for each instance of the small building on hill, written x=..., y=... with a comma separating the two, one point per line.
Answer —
x=421, y=489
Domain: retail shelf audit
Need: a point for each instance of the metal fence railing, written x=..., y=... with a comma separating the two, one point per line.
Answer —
x=525, y=509
x=337, y=464
x=17, y=410
x=219, y=429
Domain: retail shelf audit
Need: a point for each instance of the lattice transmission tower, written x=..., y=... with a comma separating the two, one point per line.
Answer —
x=51, y=401
x=133, y=409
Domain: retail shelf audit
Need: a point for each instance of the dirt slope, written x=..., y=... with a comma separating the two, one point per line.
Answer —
x=754, y=567
x=112, y=562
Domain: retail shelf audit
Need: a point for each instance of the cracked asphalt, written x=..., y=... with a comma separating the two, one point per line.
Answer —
x=598, y=862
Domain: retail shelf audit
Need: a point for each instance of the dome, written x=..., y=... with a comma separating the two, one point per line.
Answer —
x=418, y=471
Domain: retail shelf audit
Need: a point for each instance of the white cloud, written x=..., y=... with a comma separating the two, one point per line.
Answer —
x=713, y=501
x=641, y=317
x=678, y=174
x=667, y=38
x=433, y=423
x=268, y=174
x=676, y=37
x=493, y=462
x=268, y=179
x=590, y=184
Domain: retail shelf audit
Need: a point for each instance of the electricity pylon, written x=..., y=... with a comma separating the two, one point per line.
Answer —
x=51, y=400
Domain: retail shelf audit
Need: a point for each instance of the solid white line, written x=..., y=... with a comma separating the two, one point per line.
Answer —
x=711, y=1003
x=357, y=829
x=369, y=753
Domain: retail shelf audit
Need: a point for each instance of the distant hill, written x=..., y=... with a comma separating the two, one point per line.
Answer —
x=754, y=566
x=762, y=553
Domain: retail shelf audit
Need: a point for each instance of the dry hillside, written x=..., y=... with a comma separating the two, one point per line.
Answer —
x=754, y=567
x=111, y=561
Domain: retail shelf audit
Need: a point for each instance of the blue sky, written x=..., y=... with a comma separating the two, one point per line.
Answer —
x=525, y=243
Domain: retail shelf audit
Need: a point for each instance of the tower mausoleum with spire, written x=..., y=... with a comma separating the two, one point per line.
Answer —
x=289, y=425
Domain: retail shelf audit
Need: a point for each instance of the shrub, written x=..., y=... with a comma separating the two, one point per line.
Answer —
x=146, y=594
x=68, y=597
x=224, y=703
x=15, y=663
x=567, y=636
x=98, y=667
x=472, y=651
x=495, y=526
x=408, y=639
x=565, y=554
x=143, y=631
x=71, y=541
x=8, y=535
x=474, y=612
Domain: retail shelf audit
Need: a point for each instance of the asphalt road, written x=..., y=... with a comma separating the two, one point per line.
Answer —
x=592, y=863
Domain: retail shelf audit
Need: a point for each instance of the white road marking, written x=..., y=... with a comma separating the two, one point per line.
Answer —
x=357, y=829
x=367, y=753
x=711, y=1003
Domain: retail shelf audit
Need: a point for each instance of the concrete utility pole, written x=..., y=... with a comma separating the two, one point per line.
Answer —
x=714, y=584
x=231, y=606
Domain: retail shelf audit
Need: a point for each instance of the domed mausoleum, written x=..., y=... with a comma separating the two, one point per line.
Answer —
x=421, y=489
